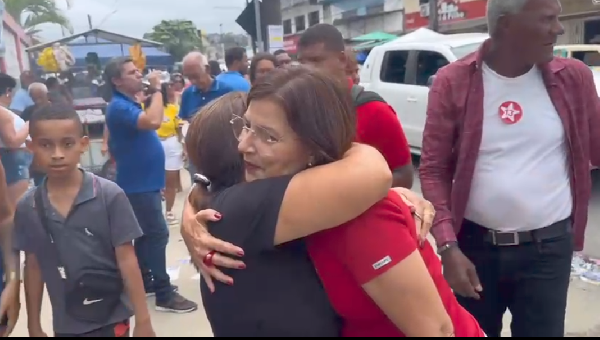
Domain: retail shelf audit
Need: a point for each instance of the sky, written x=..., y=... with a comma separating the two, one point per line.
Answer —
x=136, y=17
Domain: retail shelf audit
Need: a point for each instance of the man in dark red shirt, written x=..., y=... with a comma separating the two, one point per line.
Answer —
x=323, y=46
x=507, y=147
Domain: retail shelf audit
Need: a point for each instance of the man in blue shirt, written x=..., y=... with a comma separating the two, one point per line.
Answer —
x=140, y=161
x=22, y=100
x=204, y=88
x=236, y=61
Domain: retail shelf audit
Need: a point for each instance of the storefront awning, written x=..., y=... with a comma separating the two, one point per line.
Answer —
x=374, y=36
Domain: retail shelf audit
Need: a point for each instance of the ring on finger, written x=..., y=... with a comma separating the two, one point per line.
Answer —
x=208, y=259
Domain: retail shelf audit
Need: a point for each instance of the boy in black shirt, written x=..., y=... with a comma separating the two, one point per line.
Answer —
x=77, y=228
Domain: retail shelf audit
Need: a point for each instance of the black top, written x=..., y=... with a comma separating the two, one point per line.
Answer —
x=279, y=294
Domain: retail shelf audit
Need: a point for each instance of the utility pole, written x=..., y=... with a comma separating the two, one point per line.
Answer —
x=260, y=45
x=434, y=23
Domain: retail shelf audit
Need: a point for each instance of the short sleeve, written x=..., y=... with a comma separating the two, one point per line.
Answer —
x=250, y=213
x=376, y=241
x=126, y=115
x=124, y=227
x=381, y=129
x=24, y=219
x=185, y=111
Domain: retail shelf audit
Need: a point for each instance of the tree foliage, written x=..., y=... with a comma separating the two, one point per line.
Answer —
x=179, y=37
x=32, y=13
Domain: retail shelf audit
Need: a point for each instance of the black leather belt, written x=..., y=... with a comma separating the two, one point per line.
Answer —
x=503, y=239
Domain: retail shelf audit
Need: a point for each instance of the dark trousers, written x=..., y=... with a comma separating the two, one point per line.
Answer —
x=531, y=280
x=152, y=247
x=120, y=330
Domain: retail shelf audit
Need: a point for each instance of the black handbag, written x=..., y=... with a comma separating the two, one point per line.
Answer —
x=92, y=294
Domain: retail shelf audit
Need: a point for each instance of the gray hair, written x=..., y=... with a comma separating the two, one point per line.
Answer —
x=114, y=68
x=498, y=8
x=37, y=86
x=195, y=57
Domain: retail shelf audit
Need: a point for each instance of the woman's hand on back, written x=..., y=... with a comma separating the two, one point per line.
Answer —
x=422, y=209
x=201, y=244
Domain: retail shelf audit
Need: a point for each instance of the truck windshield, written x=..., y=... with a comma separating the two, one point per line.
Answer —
x=464, y=50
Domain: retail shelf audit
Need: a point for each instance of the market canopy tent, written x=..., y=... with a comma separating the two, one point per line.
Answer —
x=94, y=36
x=107, y=50
x=368, y=41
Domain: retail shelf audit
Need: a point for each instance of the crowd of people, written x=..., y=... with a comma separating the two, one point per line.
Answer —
x=301, y=220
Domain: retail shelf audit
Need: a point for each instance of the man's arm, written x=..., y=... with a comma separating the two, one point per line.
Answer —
x=34, y=294
x=383, y=131
x=436, y=168
x=124, y=229
x=592, y=106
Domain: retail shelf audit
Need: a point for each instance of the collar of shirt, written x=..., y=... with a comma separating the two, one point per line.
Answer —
x=215, y=86
x=117, y=95
x=87, y=192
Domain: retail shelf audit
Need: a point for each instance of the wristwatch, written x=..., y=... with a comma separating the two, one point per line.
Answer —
x=441, y=250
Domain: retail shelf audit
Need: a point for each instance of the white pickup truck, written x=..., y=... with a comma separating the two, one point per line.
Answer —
x=400, y=71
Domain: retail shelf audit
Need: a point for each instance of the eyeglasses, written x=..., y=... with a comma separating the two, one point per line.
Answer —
x=241, y=126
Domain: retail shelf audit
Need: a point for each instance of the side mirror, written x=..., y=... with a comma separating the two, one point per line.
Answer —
x=430, y=81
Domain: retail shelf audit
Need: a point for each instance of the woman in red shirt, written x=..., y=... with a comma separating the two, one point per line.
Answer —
x=382, y=283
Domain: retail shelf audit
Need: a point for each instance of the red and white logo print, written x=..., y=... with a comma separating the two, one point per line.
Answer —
x=510, y=112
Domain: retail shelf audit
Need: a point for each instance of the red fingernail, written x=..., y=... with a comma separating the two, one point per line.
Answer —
x=217, y=216
x=242, y=266
x=240, y=253
x=230, y=282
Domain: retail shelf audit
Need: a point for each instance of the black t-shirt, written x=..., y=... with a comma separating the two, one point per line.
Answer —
x=26, y=114
x=279, y=293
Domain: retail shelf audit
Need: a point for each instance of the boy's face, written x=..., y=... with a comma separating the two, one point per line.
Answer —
x=57, y=146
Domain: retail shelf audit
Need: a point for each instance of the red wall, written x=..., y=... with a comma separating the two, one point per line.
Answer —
x=13, y=27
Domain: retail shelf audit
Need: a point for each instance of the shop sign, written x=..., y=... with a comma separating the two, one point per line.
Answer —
x=449, y=11
x=290, y=43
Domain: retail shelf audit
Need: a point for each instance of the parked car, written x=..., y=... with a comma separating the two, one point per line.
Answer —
x=402, y=70
x=589, y=54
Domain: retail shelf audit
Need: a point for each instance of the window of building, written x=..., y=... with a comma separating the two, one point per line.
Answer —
x=300, y=23
x=394, y=67
x=287, y=26
x=428, y=63
x=313, y=18
x=314, y=2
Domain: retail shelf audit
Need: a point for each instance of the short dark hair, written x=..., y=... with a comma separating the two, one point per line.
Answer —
x=214, y=68
x=51, y=82
x=234, y=54
x=278, y=52
x=58, y=111
x=7, y=83
x=324, y=34
x=318, y=107
x=257, y=59
x=114, y=69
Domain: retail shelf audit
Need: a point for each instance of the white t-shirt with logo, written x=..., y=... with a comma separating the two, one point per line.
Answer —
x=521, y=179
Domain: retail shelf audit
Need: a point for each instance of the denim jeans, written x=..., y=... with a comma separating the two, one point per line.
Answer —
x=152, y=247
x=531, y=280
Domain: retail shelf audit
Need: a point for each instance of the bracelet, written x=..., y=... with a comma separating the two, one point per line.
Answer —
x=446, y=247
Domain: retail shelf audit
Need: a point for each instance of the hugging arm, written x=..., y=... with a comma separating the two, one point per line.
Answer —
x=381, y=254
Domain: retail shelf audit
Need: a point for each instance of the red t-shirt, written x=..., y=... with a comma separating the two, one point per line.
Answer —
x=355, y=253
x=378, y=126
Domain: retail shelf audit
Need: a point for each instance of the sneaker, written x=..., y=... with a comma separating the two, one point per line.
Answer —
x=171, y=219
x=177, y=304
x=150, y=292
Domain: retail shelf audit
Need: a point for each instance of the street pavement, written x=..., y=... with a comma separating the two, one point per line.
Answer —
x=582, y=314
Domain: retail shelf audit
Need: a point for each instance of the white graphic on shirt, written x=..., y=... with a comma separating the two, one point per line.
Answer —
x=510, y=112
x=88, y=233
x=87, y=302
x=382, y=263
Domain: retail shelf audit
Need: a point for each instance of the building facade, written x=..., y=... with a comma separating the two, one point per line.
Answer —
x=297, y=16
x=359, y=17
x=13, y=42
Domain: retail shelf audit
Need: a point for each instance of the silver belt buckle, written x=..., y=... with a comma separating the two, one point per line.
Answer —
x=515, y=242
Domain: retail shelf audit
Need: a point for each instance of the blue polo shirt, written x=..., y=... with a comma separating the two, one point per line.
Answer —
x=21, y=100
x=193, y=99
x=139, y=155
x=235, y=80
